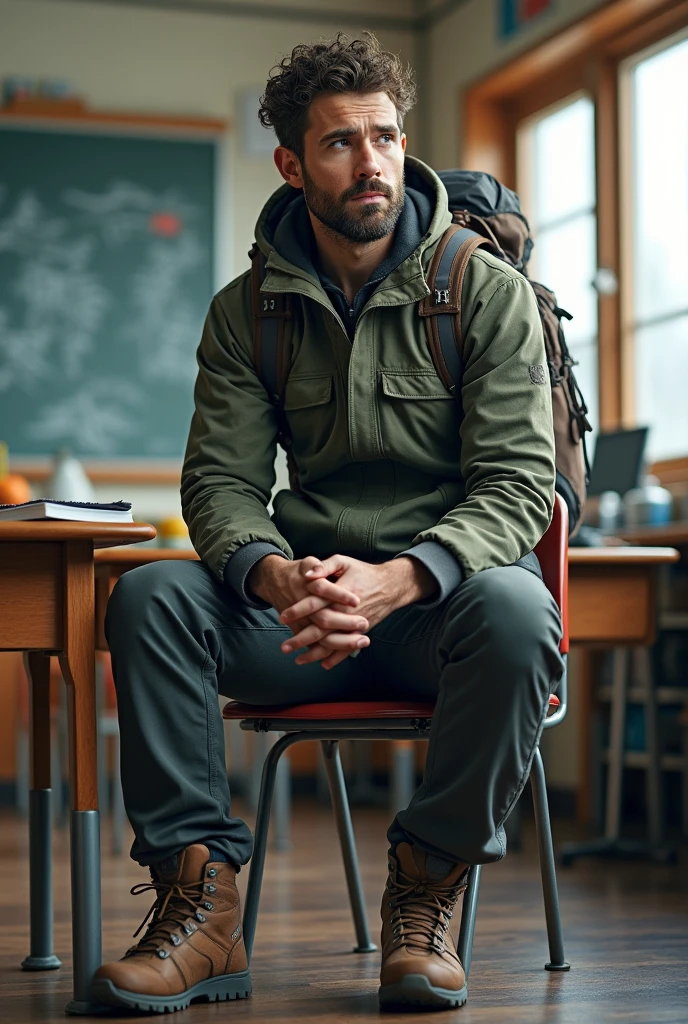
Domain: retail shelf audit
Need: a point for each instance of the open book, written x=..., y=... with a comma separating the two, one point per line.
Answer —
x=45, y=508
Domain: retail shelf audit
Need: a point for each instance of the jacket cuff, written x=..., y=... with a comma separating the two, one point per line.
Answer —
x=443, y=566
x=240, y=564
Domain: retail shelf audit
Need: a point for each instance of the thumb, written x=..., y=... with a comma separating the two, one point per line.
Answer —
x=309, y=565
x=335, y=565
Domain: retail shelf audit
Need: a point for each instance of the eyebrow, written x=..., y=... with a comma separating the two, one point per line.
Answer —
x=345, y=133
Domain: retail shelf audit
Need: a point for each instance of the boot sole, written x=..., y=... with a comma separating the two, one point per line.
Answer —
x=416, y=991
x=226, y=986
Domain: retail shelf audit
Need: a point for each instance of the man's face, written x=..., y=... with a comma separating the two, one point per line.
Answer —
x=353, y=167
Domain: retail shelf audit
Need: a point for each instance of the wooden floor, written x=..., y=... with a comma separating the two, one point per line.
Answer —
x=626, y=928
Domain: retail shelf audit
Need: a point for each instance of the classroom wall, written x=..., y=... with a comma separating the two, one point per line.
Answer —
x=464, y=47
x=186, y=63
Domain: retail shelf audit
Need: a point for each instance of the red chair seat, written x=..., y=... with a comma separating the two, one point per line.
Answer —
x=341, y=711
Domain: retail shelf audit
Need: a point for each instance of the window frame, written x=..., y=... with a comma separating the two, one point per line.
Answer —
x=589, y=56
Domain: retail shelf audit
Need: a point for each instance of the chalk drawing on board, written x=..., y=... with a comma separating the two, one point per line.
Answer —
x=125, y=210
x=104, y=282
x=61, y=299
x=163, y=320
x=94, y=418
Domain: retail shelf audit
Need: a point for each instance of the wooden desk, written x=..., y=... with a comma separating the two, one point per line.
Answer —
x=612, y=599
x=670, y=533
x=47, y=606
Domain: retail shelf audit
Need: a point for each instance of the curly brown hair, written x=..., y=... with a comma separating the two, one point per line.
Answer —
x=335, y=65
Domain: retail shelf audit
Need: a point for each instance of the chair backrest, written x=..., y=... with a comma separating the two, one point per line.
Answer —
x=553, y=555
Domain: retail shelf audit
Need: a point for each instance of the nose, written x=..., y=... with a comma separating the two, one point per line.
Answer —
x=368, y=165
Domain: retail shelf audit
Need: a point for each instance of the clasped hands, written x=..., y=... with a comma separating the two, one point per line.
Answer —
x=331, y=604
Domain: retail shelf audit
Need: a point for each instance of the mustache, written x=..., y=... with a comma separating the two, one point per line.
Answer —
x=368, y=186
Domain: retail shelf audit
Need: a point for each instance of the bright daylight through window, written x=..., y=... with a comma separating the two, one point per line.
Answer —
x=557, y=180
x=659, y=307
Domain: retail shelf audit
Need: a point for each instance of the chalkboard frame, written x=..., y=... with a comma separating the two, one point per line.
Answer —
x=73, y=115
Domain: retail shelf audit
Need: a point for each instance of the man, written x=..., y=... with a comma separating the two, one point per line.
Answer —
x=408, y=542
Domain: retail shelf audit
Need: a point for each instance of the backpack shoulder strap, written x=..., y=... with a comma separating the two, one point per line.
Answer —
x=441, y=309
x=271, y=311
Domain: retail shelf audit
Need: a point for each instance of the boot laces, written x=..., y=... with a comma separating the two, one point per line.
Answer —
x=422, y=911
x=173, y=905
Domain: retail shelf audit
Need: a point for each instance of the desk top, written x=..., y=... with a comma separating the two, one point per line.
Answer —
x=615, y=556
x=670, y=533
x=620, y=556
x=57, y=530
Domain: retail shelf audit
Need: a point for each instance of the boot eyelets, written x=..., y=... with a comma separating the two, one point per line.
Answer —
x=210, y=888
x=212, y=872
x=200, y=917
x=176, y=940
x=208, y=905
x=163, y=954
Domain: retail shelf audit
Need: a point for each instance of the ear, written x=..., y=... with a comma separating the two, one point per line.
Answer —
x=289, y=166
x=402, y=142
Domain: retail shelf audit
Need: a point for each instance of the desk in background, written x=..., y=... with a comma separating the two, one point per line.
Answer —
x=47, y=606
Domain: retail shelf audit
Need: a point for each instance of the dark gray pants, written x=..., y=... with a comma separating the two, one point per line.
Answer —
x=489, y=654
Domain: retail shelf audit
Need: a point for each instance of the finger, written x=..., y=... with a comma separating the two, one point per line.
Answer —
x=310, y=564
x=303, y=609
x=332, y=566
x=345, y=642
x=340, y=622
x=337, y=657
x=311, y=634
x=332, y=592
x=313, y=603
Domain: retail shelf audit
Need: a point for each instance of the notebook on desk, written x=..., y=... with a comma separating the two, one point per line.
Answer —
x=81, y=511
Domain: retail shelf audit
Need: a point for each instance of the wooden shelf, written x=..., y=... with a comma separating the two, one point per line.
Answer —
x=75, y=111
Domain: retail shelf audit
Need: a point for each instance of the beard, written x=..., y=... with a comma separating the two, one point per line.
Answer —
x=371, y=223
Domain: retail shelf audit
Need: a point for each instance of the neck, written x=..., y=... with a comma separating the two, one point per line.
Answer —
x=349, y=264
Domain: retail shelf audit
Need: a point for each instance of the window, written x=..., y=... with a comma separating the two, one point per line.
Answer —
x=590, y=126
x=658, y=126
x=557, y=183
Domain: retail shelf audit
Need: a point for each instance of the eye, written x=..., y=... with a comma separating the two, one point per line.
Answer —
x=386, y=139
x=339, y=142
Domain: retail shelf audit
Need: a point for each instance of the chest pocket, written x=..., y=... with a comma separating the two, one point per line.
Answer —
x=412, y=384
x=306, y=392
x=419, y=421
x=311, y=411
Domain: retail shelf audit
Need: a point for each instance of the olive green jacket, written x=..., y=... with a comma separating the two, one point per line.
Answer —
x=386, y=460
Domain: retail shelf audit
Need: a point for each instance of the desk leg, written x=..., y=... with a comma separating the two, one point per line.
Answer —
x=77, y=661
x=41, y=957
x=612, y=845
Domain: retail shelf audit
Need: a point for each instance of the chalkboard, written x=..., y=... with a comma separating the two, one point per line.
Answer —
x=106, y=248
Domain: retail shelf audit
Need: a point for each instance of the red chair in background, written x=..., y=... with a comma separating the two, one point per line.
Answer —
x=390, y=720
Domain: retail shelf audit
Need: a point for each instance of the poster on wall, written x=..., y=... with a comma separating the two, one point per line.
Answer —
x=517, y=15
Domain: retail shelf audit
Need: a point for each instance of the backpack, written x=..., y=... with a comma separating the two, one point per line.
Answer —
x=485, y=214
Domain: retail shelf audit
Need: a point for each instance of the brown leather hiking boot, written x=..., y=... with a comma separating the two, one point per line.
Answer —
x=193, y=947
x=420, y=966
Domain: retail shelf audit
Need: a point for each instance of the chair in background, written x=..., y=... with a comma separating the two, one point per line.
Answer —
x=404, y=721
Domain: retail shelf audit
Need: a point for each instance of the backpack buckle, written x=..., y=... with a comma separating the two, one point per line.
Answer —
x=441, y=296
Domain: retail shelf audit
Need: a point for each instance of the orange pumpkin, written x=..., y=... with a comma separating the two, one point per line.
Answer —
x=14, y=489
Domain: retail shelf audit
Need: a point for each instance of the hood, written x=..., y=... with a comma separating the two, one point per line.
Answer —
x=282, y=213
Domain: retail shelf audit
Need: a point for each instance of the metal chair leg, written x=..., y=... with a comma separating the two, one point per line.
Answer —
x=282, y=806
x=557, y=960
x=468, y=914
x=118, y=810
x=342, y=814
x=255, y=878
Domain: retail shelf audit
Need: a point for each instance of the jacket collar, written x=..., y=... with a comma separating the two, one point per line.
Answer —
x=291, y=267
